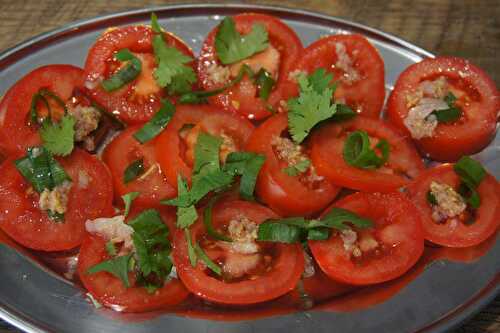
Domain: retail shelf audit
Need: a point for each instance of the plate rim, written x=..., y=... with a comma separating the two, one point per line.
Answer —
x=9, y=56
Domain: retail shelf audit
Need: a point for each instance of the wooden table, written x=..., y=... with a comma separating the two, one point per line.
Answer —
x=469, y=29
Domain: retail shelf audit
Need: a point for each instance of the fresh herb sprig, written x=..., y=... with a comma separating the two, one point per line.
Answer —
x=299, y=229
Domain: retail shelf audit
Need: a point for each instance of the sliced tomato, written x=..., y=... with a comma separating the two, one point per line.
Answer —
x=403, y=164
x=478, y=99
x=468, y=229
x=139, y=100
x=175, y=146
x=285, y=194
x=152, y=185
x=276, y=272
x=356, y=66
x=110, y=291
x=90, y=197
x=15, y=132
x=243, y=98
x=387, y=250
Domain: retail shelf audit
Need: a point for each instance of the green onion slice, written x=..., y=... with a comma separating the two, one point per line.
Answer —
x=207, y=221
x=126, y=74
x=154, y=126
x=134, y=170
x=358, y=153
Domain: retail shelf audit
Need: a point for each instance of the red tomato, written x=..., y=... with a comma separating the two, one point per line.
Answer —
x=287, y=195
x=175, y=146
x=277, y=270
x=152, y=185
x=403, y=165
x=138, y=101
x=110, y=291
x=356, y=66
x=386, y=251
x=457, y=232
x=478, y=98
x=90, y=197
x=15, y=133
x=243, y=98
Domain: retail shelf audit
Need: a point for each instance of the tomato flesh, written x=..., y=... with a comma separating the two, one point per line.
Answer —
x=242, y=98
x=15, y=133
x=174, y=153
x=403, y=164
x=485, y=220
x=287, y=195
x=358, y=70
x=90, y=197
x=276, y=280
x=139, y=100
x=110, y=291
x=152, y=185
x=479, y=103
x=397, y=230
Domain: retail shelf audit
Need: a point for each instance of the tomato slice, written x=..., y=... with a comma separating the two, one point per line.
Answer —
x=90, y=197
x=276, y=272
x=288, y=195
x=403, y=165
x=139, y=100
x=152, y=185
x=175, y=145
x=110, y=291
x=477, y=97
x=467, y=229
x=386, y=251
x=15, y=133
x=243, y=98
x=355, y=64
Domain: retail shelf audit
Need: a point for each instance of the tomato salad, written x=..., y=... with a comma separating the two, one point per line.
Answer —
x=259, y=170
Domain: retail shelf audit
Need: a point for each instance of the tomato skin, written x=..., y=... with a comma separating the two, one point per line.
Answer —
x=22, y=220
x=15, y=134
x=282, y=37
x=397, y=222
x=125, y=149
x=365, y=95
x=467, y=135
x=110, y=291
x=137, y=39
x=327, y=156
x=170, y=148
x=283, y=193
x=282, y=278
x=487, y=217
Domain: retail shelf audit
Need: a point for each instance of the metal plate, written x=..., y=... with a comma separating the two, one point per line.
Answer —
x=440, y=298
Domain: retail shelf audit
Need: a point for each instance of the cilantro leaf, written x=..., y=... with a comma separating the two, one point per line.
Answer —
x=152, y=246
x=172, y=72
x=247, y=165
x=338, y=217
x=232, y=47
x=193, y=258
x=298, y=229
x=118, y=266
x=186, y=214
x=206, y=154
x=59, y=138
x=312, y=106
x=128, y=199
x=296, y=169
